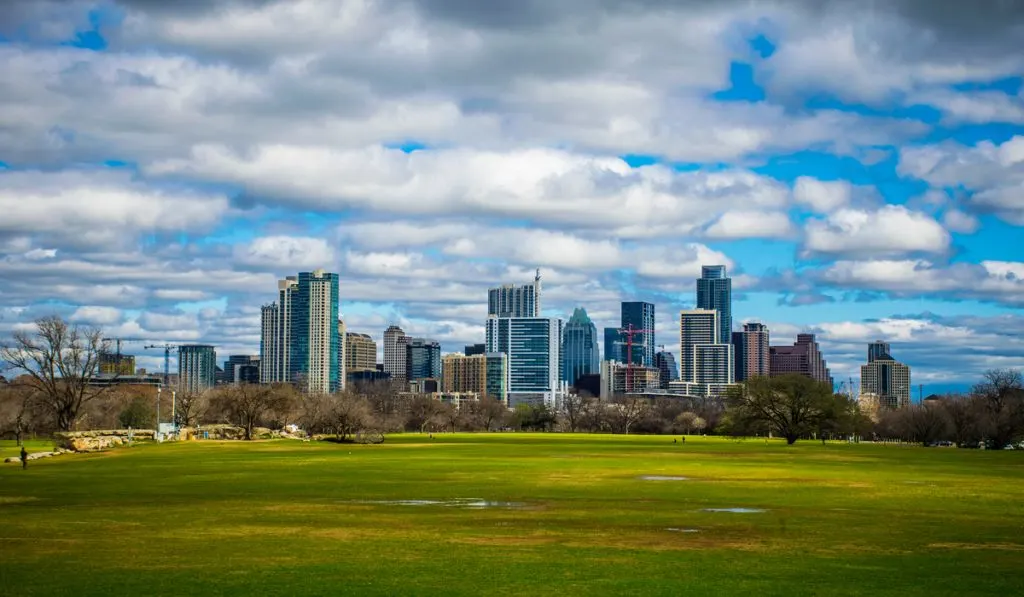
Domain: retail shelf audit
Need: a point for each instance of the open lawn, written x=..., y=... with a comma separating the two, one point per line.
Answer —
x=537, y=514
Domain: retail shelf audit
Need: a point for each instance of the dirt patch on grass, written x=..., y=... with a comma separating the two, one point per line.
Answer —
x=978, y=546
x=506, y=540
x=14, y=499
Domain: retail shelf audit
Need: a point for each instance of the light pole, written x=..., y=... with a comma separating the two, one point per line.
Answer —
x=159, y=392
x=174, y=418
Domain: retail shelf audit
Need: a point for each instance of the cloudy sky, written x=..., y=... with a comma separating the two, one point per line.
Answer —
x=859, y=166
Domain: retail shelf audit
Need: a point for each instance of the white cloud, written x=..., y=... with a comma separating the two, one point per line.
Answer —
x=975, y=107
x=750, y=224
x=995, y=173
x=94, y=315
x=958, y=221
x=96, y=206
x=286, y=253
x=822, y=196
x=556, y=187
x=990, y=280
x=891, y=230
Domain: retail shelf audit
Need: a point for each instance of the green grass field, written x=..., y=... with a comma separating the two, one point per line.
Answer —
x=575, y=518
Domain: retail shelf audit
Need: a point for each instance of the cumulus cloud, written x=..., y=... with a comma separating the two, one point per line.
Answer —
x=96, y=315
x=99, y=207
x=286, y=253
x=822, y=196
x=995, y=173
x=551, y=186
x=891, y=230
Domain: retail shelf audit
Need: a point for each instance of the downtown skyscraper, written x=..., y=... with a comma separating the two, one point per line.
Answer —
x=639, y=316
x=515, y=301
x=395, y=341
x=579, y=347
x=299, y=340
x=714, y=291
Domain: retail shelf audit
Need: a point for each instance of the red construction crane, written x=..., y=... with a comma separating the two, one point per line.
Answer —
x=629, y=331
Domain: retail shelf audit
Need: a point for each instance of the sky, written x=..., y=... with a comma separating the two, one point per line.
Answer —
x=857, y=165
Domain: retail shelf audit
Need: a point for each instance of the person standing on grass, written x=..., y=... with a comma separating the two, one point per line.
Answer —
x=24, y=458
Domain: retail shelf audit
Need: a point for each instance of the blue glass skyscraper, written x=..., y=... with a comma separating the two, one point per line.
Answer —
x=314, y=343
x=641, y=316
x=714, y=291
x=612, y=349
x=579, y=347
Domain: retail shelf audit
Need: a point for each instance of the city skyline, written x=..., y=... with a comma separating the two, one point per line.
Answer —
x=856, y=170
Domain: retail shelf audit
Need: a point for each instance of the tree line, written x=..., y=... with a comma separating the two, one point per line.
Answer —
x=49, y=370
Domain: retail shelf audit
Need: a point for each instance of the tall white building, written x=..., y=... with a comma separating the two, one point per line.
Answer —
x=342, y=360
x=885, y=378
x=395, y=342
x=704, y=358
x=275, y=341
x=299, y=336
x=515, y=301
x=532, y=346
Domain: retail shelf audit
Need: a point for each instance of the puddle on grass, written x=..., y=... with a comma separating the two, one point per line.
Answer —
x=463, y=503
x=676, y=530
x=662, y=478
x=736, y=510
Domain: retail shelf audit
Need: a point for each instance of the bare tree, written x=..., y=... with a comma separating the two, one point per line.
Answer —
x=626, y=411
x=449, y=415
x=249, y=404
x=16, y=411
x=58, y=361
x=490, y=412
x=573, y=408
x=1001, y=393
x=688, y=421
x=963, y=414
x=922, y=423
x=350, y=414
x=191, y=408
x=423, y=412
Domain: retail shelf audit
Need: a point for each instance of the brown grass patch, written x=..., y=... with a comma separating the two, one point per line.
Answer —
x=976, y=546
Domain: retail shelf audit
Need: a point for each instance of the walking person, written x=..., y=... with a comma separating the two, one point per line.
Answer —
x=24, y=458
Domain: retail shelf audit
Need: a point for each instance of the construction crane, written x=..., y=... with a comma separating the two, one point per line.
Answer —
x=167, y=360
x=117, y=342
x=629, y=331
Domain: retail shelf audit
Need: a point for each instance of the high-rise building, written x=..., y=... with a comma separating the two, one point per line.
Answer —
x=394, y=353
x=360, y=353
x=696, y=326
x=665, y=363
x=422, y=359
x=116, y=364
x=242, y=368
x=612, y=346
x=299, y=340
x=579, y=347
x=752, y=350
x=197, y=368
x=878, y=349
x=803, y=357
x=314, y=346
x=885, y=378
x=342, y=357
x=515, y=301
x=714, y=291
x=475, y=349
x=640, y=316
x=483, y=374
x=533, y=348
x=276, y=333
x=620, y=378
